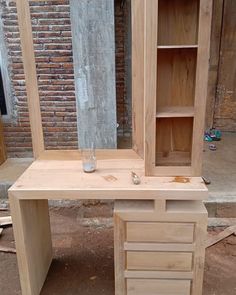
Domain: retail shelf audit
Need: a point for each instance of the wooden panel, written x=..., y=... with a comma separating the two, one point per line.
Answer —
x=33, y=242
x=160, y=232
x=158, y=287
x=225, y=108
x=3, y=155
x=143, y=246
x=159, y=261
x=177, y=22
x=150, y=56
x=155, y=274
x=176, y=70
x=28, y=57
x=201, y=84
x=174, y=141
x=93, y=41
x=138, y=76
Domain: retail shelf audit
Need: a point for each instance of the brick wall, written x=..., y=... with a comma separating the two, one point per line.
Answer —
x=53, y=50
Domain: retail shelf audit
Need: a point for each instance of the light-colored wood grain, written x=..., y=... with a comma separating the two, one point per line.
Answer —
x=176, y=46
x=155, y=274
x=6, y=220
x=201, y=84
x=199, y=255
x=140, y=260
x=27, y=47
x=172, y=112
x=158, y=246
x=66, y=179
x=138, y=76
x=177, y=22
x=3, y=154
x=160, y=232
x=119, y=255
x=33, y=242
x=150, y=70
x=163, y=287
x=176, y=71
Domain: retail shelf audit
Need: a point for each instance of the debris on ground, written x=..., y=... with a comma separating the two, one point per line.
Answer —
x=222, y=235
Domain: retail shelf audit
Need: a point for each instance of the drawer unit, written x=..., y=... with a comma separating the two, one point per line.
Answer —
x=159, y=232
x=158, y=287
x=166, y=261
x=159, y=252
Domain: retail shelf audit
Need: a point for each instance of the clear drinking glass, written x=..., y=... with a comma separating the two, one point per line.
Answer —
x=89, y=160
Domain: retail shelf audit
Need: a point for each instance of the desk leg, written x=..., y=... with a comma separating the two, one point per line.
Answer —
x=32, y=233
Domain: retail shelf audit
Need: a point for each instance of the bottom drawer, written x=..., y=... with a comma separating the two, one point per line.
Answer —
x=158, y=287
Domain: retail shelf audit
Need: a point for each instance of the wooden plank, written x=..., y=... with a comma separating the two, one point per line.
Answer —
x=150, y=70
x=93, y=41
x=205, y=13
x=199, y=255
x=6, y=220
x=46, y=179
x=175, y=112
x=33, y=242
x=7, y=250
x=222, y=235
x=176, y=261
x=27, y=47
x=176, y=46
x=155, y=274
x=162, y=287
x=158, y=247
x=225, y=107
x=138, y=76
x=216, y=30
x=3, y=155
x=160, y=232
x=119, y=255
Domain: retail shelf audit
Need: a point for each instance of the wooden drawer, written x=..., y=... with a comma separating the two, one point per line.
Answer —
x=158, y=287
x=172, y=261
x=157, y=232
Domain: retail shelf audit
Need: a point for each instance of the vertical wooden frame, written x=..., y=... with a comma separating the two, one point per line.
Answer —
x=203, y=57
x=150, y=66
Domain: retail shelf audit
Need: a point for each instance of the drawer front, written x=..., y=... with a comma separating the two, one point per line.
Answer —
x=158, y=287
x=166, y=261
x=159, y=232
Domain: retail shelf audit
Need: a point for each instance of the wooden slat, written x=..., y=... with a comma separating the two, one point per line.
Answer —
x=175, y=112
x=201, y=84
x=159, y=261
x=138, y=76
x=158, y=247
x=158, y=287
x=160, y=232
x=27, y=47
x=155, y=274
x=150, y=69
x=176, y=46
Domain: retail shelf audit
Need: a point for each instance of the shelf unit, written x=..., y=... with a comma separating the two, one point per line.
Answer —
x=175, y=85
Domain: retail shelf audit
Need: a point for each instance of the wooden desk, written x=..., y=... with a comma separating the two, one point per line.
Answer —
x=64, y=179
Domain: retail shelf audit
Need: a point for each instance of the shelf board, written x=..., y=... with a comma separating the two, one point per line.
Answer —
x=175, y=112
x=176, y=46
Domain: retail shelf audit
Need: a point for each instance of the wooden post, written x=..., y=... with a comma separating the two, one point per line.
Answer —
x=93, y=42
x=3, y=155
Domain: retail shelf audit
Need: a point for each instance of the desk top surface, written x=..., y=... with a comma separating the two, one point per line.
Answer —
x=65, y=179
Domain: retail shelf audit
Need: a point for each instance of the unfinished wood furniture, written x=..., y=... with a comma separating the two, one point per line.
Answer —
x=175, y=84
x=59, y=175
x=159, y=247
x=64, y=179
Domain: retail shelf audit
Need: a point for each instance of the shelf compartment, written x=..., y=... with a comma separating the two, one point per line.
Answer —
x=175, y=112
x=174, y=141
x=176, y=75
x=178, y=22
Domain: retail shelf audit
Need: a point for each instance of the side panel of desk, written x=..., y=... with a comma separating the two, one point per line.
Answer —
x=32, y=233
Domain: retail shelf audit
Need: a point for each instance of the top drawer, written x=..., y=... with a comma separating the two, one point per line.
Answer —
x=158, y=232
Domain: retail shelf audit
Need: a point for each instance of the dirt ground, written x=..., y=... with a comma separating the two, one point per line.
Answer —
x=83, y=259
